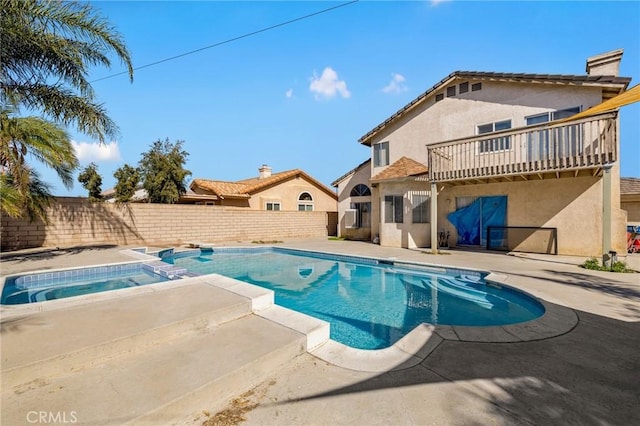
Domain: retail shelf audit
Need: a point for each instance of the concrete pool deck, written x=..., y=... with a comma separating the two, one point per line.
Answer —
x=588, y=374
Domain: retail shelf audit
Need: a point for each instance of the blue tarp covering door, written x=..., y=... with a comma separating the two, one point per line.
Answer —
x=472, y=221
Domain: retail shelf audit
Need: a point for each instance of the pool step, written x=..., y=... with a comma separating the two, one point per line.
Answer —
x=167, y=384
x=64, y=341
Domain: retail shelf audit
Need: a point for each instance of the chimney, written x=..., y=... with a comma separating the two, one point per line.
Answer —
x=605, y=63
x=265, y=171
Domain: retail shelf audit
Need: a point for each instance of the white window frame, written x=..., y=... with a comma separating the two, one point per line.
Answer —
x=508, y=146
x=305, y=205
x=420, y=204
x=353, y=216
x=273, y=204
x=367, y=193
x=397, y=206
x=378, y=149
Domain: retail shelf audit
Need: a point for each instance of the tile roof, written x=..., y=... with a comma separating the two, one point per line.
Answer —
x=403, y=168
x=613, y=86
x=629, y=186
x=246, y=187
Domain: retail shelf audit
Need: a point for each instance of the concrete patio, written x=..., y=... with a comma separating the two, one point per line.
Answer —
x=589, y=374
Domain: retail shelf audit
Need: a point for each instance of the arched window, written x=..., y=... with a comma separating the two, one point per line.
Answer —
x=360, y=190
x=305, y=202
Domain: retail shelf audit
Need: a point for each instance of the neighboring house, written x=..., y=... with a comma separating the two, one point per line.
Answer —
x=553, y=184
x=140, y=196
x=288, y=190
x=630, y=199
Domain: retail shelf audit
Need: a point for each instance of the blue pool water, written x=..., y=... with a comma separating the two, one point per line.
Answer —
x=44, y=286
x=370, y=305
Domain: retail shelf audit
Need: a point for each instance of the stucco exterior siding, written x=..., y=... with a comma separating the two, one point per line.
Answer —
x=631, y=204
x=406, y=234
x=553, y=174
x=360, y=176
x=287, y=194
x=573, y=205
x=458, y=117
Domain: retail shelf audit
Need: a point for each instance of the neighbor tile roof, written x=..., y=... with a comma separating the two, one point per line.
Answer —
x=629, y=186
x=402, y=168
x=612, y=86
x=246, y=187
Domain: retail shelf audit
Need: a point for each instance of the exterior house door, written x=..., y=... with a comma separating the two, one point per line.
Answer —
x=474, y=214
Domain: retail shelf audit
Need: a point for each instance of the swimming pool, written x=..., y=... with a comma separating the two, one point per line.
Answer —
x=43, y=286
x=369, y=303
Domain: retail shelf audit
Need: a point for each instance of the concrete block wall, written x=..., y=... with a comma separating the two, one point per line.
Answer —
x=75, y=221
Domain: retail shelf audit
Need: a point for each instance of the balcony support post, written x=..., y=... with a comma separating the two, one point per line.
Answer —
x=434, y=217
x=606, y=209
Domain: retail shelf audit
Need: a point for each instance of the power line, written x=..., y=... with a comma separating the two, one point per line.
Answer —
x=230, y=40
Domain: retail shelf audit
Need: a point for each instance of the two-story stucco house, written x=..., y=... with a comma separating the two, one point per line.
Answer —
x=480, y=159
x=288, y=190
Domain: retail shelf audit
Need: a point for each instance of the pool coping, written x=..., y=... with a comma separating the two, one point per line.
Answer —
x=410, y=350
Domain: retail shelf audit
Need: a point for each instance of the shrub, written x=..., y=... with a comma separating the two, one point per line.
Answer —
x=592, y=263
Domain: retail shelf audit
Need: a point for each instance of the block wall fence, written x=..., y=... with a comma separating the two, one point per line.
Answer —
x=75, y=221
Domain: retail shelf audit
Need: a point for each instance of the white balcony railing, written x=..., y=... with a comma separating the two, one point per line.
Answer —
x=588, y=143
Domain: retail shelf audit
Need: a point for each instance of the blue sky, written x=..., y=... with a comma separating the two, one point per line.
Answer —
x=302, y=94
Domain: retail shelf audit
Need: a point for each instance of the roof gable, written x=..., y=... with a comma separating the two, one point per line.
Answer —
x=247, y=187
x=612, y=86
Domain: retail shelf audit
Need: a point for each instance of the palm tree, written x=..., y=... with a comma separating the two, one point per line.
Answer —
x=46, y=50
x=21, y=188
x=47, y=47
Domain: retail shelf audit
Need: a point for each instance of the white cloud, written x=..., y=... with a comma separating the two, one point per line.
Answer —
x=396, y=85
x=327, y=85
x=437, y=2
x=289, y=93
x=95, y=151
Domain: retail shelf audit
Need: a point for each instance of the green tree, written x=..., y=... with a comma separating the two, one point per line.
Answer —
x=163, y=173
x=47, y=48
x=128, y=179
x=45, y=142
x=91, y=181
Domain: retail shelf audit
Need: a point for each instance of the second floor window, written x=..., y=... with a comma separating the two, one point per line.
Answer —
x=381, y=154
x=494, y=144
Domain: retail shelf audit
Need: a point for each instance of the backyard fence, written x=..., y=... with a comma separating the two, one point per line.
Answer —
x=75, y=221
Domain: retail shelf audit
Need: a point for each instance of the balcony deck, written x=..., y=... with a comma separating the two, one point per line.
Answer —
x=548, y=150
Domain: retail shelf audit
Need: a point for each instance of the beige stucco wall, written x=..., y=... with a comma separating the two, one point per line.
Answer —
x=75, y=221
x=406, y=234
x=458, y=117
x=287, y=194
x=360, y=176
x=573, y=205
x=631, y=204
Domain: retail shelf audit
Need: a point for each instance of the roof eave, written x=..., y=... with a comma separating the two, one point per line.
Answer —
x=620, y=83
